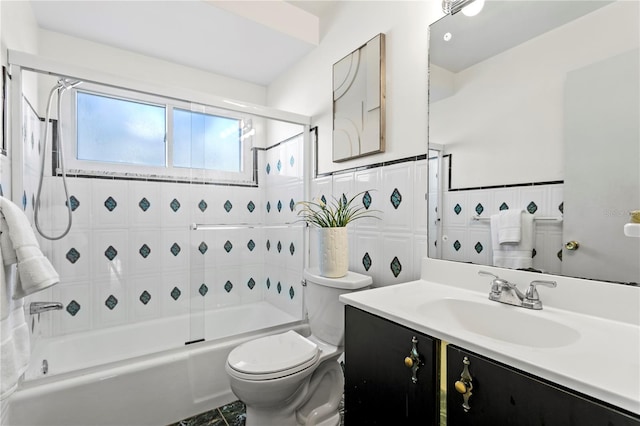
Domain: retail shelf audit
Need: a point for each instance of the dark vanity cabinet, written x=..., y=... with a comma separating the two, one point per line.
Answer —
x=501, y=395
x=382, y=384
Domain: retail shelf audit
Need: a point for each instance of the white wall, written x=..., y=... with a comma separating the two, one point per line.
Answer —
x=307, y=87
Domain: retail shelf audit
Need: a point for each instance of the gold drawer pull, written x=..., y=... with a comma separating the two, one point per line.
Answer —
x=413, y=360
x=464, y=385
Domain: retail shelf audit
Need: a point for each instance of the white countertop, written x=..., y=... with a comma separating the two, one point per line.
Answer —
x=603, y=362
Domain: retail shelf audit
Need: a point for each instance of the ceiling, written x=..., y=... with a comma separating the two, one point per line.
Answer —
x=253, y=41
x=483, y=36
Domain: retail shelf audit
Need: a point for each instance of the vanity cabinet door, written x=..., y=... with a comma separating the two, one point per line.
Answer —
x=504, y=396
x=378, y=385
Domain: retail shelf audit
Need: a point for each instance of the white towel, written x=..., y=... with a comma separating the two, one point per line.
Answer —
x=514, y=256
x=19, y=244
x=510, y=226
x=33, y=273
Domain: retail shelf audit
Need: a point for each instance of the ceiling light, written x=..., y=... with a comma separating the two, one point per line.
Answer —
x=474, y=8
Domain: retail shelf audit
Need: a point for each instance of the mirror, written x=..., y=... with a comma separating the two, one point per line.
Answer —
x=534, y=108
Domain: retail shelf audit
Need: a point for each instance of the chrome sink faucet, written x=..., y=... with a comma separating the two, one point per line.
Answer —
x=505, y=292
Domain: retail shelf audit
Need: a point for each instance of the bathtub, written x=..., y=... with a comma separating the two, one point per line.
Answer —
x=115, y=377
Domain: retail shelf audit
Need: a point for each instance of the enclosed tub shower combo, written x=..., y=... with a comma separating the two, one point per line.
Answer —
x=162, y=273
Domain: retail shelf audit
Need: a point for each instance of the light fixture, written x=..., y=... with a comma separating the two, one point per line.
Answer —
x=474, y=8
x=451, y=7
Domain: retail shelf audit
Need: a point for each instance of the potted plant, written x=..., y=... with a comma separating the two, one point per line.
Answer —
x=331, y=219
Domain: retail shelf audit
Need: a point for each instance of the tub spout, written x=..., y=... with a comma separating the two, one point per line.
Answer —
x=38, y=307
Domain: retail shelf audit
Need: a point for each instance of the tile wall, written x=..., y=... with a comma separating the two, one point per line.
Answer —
x=389, y=248
x=131, y=254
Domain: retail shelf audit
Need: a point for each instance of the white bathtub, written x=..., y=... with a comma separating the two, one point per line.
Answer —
x=118, y=377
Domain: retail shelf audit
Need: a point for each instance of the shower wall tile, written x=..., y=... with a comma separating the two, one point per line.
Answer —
x=174, y=205
x=174, y=294
x=110, y=206
x=224, y=287
x=249, y=280
x=109, y=302
x=143, y=296
x=145, y=204
x=77, y=315
x=71, y=256
x=111, y=256
x=174, y=249
x=145, y=248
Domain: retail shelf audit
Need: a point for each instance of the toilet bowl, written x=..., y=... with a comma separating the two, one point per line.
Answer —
x=288, y=379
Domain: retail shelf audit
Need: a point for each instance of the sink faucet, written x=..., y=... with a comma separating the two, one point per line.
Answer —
x=38, y=307
x=505, y=292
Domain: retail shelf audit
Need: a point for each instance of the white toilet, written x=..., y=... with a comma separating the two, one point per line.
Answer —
x=290, y=380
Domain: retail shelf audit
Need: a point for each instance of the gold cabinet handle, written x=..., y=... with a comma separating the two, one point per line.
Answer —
x=572, y=245
x=465, y=385
x=413, y=360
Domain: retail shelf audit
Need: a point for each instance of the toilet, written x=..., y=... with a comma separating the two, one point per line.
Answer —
x=290, y=380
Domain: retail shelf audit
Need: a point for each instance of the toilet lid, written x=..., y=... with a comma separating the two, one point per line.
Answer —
x=272, y=354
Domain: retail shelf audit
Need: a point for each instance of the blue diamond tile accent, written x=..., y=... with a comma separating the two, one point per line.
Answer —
x=559, y=255
x=228, y=286
x=73, y=201
x=279, y=287
x=291, y=293
x=366, y=261
x=292, y=249
x=479, y=208
x=144, y=204
x=279, y=205
x=24, y=200
x=268, y=168
x=323, y=199
x=504, y=206
x=111, y=253
x=228, y=206
x=366, y=200
x=251, y=283
x=73, y=307
x=251, y=245
x=344, y=198
x=457, y=245
x=279, y=165
x=228, y=246
x=144, y=251
x=145, y=297
x=292, y=204
x=396, y=267
x=202, y=205
x=203, y=290
x=73, y=255
x=175, y=249
x=268, y=206
x=532, y=207
x=110, y=204
x=202, y=248
x=175, y=205
x=279, y=246
x=175, y=293
x=1, y=191
x=268, y=245
x=457, y=209
x=478, y=247
x=111, y=302
x=251, y=207
x=291, y=161
x=396, y=198
x=560, y=207
x=268, y=283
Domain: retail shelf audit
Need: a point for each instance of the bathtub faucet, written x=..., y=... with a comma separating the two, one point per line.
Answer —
x=38, y=307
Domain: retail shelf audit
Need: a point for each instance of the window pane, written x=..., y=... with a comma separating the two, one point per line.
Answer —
x=203, y=141
x=121, y=131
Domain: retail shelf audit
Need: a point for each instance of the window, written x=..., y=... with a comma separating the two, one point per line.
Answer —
x=123, y=132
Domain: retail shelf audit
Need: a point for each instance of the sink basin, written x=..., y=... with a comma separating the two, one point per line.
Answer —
x=498, y=321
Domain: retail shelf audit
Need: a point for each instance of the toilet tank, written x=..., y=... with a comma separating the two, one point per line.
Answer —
x=326, y=312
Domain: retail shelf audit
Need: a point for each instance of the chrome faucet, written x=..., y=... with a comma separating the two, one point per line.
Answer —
x=39, y=307
x=505, y=292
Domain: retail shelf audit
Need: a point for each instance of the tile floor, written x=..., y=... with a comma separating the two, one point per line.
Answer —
x=228, y=415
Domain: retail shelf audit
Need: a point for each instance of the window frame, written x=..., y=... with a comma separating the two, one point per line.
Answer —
x=68, y=116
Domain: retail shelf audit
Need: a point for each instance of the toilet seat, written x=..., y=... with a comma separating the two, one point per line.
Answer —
x=272, y=357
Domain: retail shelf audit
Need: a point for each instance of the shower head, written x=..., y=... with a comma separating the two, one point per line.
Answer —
x=66, y=84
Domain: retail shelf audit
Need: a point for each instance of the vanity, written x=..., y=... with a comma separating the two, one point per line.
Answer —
x=481, y=362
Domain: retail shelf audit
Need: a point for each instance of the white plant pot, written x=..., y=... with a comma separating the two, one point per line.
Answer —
x=334, y=252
